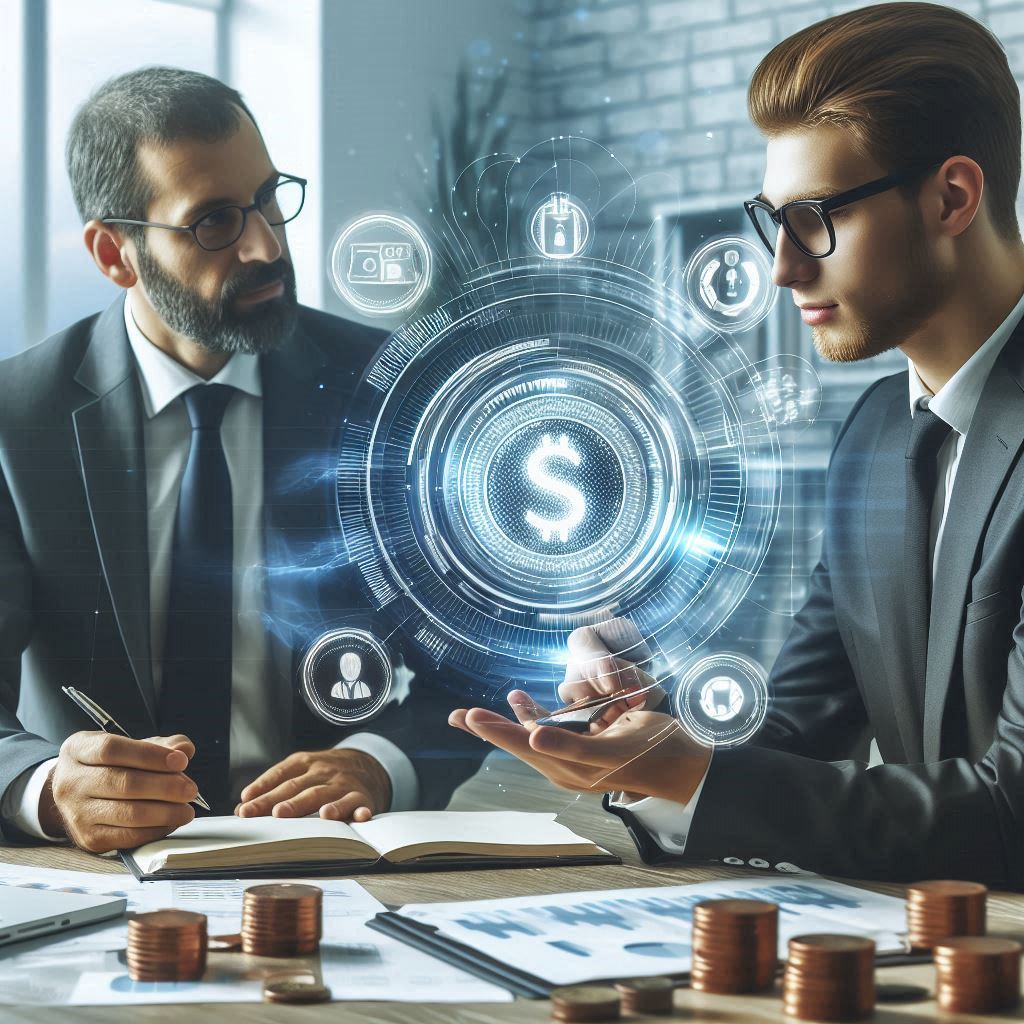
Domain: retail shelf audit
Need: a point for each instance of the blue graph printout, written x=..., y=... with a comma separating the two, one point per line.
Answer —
x=572, y=937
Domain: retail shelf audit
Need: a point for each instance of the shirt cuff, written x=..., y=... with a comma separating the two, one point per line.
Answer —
x=666, y=821
x=405, y=785
x=22, y=797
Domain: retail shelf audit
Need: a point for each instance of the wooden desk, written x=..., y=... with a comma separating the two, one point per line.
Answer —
x=507, y=785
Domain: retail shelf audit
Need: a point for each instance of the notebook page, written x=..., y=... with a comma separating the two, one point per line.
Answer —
x=389, y=832
x=202, y=835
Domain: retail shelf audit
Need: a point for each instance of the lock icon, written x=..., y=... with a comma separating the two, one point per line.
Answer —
x=560, y=228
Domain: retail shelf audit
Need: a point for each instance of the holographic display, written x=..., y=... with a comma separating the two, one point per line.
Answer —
x=565, y=438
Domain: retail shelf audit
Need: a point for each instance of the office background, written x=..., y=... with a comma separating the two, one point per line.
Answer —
x=362, y=97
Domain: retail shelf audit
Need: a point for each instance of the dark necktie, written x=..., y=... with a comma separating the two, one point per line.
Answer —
x=195, y=696
x=927, y=433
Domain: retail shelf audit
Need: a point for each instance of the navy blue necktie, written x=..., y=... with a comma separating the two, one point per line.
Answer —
x=195, y=696
x=927, y=434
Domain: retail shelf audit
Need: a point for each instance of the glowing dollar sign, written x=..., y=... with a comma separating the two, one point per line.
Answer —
x=537, y=471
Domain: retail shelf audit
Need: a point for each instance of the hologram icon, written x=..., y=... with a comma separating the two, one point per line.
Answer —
x=350, y=687
x=364, y=664
x=721, y=698
x=559, y=228
x=380, y=264
x=729, y=284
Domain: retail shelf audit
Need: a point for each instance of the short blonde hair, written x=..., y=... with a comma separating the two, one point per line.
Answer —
x=913, y=84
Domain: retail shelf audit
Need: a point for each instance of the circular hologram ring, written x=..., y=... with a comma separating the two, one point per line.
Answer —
x=556, y=482
x=380, y=264
x=729, y=284
x=722, y=699
x=544, y=452
x=346, y=676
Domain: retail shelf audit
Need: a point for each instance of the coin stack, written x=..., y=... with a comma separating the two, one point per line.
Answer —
x=585, y=1003
x=977, y=974
x=829, y=978
x=283, y=919
x=735, y=945
x=652, y=996
x=167, y=945
x=940, y=909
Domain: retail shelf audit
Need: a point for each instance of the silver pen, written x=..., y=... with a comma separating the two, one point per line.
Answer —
x=108, y=724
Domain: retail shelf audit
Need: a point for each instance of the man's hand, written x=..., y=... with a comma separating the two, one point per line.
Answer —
x=110, y=792
x=641, y=752
x=593, y=671
x=342, y=784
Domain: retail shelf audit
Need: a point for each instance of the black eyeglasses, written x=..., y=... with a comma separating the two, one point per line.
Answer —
x=808, y=222
x=277, y=204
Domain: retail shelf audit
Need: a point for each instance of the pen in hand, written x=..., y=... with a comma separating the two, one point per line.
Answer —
x=107, y=723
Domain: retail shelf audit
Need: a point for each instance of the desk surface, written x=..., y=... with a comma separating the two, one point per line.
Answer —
x=508, y=785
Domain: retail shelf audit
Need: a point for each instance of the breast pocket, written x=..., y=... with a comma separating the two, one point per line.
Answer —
x=987, y=606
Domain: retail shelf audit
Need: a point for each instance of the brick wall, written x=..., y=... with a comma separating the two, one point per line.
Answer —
x=663, y=82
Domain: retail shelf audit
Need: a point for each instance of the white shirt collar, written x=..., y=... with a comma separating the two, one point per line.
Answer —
x=956, y=400
x=163, y=379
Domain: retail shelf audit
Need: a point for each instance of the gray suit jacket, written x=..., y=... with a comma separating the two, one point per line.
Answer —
x=74, y=602
x=949, y=799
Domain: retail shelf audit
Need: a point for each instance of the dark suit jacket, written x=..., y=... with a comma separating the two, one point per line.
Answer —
x=74, y=600
x=949, y=799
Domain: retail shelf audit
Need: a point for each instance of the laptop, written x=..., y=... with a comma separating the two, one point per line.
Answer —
x=27, y=913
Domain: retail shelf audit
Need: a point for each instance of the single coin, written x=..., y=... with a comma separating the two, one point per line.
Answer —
x=585, y=1003
x=295, y=990
x=646, y=995
x=285, y=891
x=225, y=943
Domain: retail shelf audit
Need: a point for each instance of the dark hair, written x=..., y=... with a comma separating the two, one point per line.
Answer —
x=912, y=83
x=151, y=104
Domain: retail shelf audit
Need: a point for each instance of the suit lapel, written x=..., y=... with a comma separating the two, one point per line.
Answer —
x=111, y=452
x=990, y=450
x=884, y=522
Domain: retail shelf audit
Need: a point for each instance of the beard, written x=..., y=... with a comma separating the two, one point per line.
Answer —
x=218, y=326
x=898, y=312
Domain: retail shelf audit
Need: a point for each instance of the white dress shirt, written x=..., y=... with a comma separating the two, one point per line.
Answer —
x=257, y=738
x=668, y=822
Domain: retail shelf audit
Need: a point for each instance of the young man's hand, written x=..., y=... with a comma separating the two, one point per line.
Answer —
x=340, y=783
x=593, y=671
x=643, y=753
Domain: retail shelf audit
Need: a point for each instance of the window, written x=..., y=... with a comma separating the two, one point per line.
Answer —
x=88, y=43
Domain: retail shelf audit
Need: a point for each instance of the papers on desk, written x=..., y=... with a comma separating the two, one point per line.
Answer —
x=622, y=933
x=87, y=967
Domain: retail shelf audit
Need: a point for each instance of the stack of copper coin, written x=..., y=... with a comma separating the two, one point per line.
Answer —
x=829, y=978
x=167, y=945
x=585, y=1003
x=977, y=974
x=282, y=919
x=652, y=996
x=939, y=909
x=735, y=945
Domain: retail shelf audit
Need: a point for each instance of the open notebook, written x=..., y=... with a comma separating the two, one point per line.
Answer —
x=230, y=847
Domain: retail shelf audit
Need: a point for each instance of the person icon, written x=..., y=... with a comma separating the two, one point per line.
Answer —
x=350, y=687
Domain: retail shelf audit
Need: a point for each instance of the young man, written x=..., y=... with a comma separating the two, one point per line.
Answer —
x=166, y=468
x=912, y=630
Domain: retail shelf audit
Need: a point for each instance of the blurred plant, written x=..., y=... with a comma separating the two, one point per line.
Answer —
x=476, y=131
